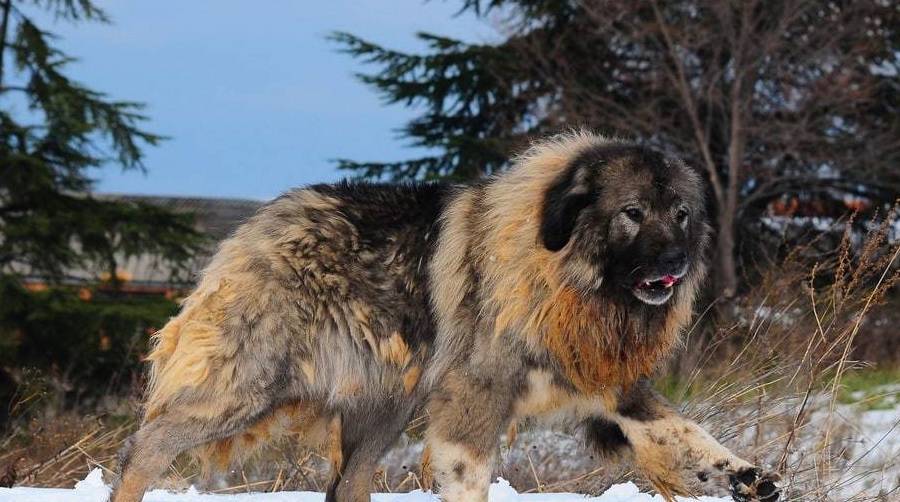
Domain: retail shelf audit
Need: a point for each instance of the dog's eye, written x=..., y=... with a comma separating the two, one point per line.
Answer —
x=681, y=216
x=634, y=213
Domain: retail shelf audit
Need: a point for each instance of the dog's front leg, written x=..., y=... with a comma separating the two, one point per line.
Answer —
x=467, y=415
x=675, y=453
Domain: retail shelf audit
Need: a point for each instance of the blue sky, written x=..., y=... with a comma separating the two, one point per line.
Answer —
x=254, y=97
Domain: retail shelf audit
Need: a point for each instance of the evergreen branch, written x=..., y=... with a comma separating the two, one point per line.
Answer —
x=74, y=10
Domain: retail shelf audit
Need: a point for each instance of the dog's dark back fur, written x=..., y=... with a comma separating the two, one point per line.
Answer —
x=397, y=226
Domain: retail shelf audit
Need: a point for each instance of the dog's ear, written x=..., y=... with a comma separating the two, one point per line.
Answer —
x=564, y=201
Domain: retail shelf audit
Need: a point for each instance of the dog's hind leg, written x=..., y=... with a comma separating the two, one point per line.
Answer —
x=150, y=450
x=147, y=453
x=366, y=433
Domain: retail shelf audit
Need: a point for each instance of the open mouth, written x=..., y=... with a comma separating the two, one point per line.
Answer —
x=663, y=282
x=656, y=290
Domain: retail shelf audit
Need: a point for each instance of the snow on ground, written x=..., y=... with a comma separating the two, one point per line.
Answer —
x=871, y=437
x=875, y=467
x=92, y=489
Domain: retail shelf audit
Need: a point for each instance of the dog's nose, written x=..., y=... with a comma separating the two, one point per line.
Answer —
x=673, y=259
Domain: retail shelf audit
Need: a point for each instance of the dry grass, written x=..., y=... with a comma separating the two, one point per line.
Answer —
x=783, y=352
x=765, y=377
x=59, y=451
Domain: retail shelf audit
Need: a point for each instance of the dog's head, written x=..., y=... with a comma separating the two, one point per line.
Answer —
x=631, y=222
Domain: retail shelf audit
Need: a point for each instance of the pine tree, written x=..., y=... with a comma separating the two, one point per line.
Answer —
x=471, y=115
x=53, y=131
x=770, y=99
x=49, y=221
x=482, y=102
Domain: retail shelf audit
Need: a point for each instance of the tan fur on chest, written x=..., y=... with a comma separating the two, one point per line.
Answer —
x=596, y=347
x=593, y=342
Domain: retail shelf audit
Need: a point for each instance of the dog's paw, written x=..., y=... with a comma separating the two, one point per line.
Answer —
x=752, y=484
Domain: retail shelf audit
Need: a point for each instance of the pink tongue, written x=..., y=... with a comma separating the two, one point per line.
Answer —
x=668, y=280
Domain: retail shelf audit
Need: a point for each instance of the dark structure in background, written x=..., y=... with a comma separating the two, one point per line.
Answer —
x=146, y=274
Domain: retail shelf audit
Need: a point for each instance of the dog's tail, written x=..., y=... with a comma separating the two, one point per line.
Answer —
x=189, y=348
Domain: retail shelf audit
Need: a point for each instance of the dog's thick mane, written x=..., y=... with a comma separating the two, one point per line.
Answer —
x=598, y=342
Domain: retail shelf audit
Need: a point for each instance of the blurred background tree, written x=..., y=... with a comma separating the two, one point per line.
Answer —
x=63, y=130
x=53, y=131
x=785, y=100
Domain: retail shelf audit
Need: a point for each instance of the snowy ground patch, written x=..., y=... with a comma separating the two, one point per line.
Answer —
x=92, y=489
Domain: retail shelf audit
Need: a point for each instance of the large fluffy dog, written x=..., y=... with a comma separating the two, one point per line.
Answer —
x=553, y=289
